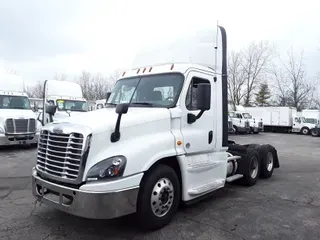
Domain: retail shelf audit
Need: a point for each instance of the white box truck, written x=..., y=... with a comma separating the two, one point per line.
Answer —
x=162, y=139
x=66, y=96
x=18, y=123
x=281, y=119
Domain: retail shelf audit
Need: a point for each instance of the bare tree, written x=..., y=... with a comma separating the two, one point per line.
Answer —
x=236, y=78
x=295, y=89
x=255, y=63
x=60, y=77
x=35, y=91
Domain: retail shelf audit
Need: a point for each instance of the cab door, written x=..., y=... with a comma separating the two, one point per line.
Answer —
x=204, y=166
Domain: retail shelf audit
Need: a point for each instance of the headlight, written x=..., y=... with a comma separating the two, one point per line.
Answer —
x=107, y=169
x=1, y=130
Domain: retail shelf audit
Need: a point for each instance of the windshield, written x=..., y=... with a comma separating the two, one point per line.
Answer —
x=72, y=105
x=161, y=90
x=14, y=102
x=247, y=116
x=311, y=120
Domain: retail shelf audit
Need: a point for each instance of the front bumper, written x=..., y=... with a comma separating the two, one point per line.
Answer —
x=18, y=139
x=243, y=129
x=257, y=129
x=87, y=204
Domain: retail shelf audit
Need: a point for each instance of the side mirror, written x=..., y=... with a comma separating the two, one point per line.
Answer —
x=122, y=108
x=51, y=109
x=203, y=101
x=108, y=95
x=204, y=96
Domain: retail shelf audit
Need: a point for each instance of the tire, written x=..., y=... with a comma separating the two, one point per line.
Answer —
x=250, y=178
x=235, y=130
x=305, y=131
x=314, y=132
x=156, y=183
x=256, y=132
x=267, y=157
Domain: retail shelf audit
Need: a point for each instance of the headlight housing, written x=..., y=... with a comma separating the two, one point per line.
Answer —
x=109, y=168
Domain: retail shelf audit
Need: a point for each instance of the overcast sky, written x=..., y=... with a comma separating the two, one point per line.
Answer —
x=41, y=37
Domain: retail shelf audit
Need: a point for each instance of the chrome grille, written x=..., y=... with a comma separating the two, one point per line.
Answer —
x=260, y=124
x=230, y=124
x=14, y=126
x=247, y=124
x=60, y=154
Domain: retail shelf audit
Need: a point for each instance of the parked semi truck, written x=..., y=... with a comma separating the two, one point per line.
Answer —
x=161, y=140
x=66, y=96
x=282, y=119
x=18, y=123
x=240, y=123
x=311, y=115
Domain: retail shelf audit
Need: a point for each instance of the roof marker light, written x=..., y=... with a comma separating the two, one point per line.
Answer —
x=144, y=70
x=172, y=66
x=138, y=71
x=150, y=69
x=123, y=74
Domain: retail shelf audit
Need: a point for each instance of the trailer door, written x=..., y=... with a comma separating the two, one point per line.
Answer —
x=275, y=118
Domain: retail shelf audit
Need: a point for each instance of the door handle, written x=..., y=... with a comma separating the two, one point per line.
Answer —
x=210, y=137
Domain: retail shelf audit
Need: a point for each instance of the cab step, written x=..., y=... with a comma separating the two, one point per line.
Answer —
x=233, y=178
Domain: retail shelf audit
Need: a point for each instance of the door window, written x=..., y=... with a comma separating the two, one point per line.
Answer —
x=191, y=98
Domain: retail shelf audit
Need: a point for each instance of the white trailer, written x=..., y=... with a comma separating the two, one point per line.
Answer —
x=66, y=96
x=18, y=123
x=281, y=119
x=147, y=151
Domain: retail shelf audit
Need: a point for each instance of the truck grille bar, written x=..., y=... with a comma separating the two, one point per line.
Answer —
x=60, y=155
x=20, y=126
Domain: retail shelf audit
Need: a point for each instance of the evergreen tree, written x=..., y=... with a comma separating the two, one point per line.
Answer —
x=263, y=95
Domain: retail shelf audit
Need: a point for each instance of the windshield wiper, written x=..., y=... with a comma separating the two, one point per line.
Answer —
x=142, y=103
x=112, y=104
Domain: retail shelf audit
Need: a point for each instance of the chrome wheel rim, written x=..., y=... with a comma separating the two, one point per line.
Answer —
x=269, y=161
x=254, y=167
x=162, y=197
x=305, y=131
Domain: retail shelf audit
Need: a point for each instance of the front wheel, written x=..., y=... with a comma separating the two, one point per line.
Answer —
x=305, y=131
x=159, y=198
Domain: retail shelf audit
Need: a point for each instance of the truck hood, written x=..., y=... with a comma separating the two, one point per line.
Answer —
x=16, y=113
x=105, y=119
x=62, y=114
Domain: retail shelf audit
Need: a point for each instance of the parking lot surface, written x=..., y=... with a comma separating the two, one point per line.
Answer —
x=287, y=206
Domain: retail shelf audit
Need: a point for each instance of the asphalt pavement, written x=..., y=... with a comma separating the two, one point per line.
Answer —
x=287, y=206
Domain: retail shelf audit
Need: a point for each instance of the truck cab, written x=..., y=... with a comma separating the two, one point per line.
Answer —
x=240, y=123
x=161, y=139
x=256, y=125
x=66, y=96
x=300, y=125
x=18, y=123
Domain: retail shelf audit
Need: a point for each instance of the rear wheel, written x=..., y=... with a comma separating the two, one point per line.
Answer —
x=315, y=132
x=267, y=156
x=159, y=198
x=253, y=168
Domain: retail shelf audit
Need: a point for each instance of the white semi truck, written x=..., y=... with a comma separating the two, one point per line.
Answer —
x=311, y=115
x=18, y=123
x=147, y=151
x=66, y=96
x=282, y=119
x=240, y=123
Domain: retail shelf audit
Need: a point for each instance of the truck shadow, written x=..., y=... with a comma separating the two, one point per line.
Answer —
x=18, y=148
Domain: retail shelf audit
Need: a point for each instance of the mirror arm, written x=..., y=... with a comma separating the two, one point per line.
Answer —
x=192, y=118
x=115, y=136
